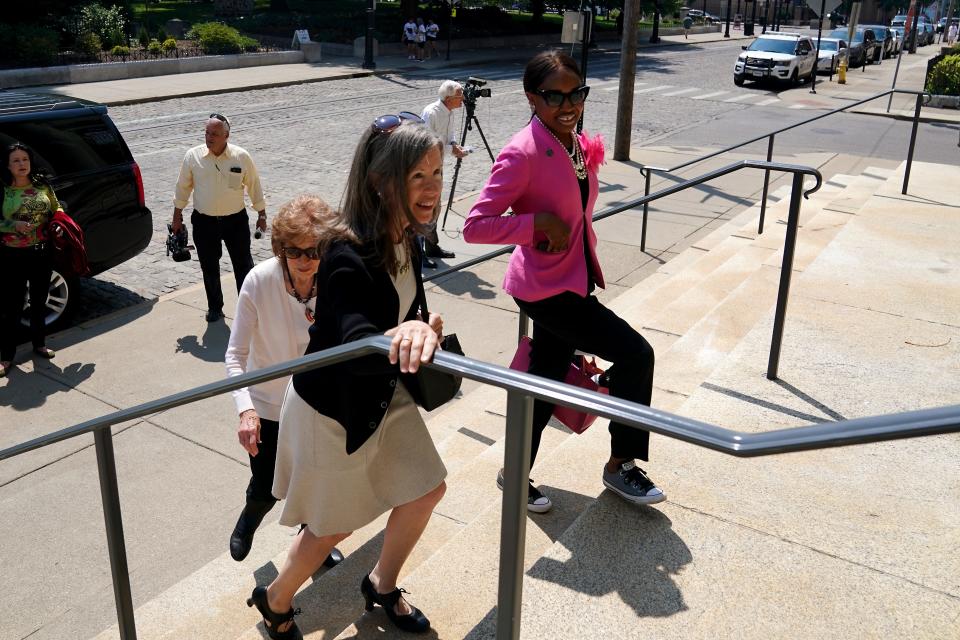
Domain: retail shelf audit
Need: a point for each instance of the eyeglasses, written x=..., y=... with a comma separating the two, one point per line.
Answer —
x=389, y=122
x=555, y=98
x=310, y=253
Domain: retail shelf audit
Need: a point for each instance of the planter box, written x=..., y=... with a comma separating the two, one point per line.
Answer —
x=944, y=102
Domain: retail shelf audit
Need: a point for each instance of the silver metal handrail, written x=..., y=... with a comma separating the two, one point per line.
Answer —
x=521, y=389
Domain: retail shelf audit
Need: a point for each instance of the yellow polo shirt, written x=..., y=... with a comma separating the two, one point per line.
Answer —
x=217, y=182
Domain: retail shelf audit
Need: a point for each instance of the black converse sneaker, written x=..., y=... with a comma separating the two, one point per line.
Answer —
x=631, y=483
x=536, y=501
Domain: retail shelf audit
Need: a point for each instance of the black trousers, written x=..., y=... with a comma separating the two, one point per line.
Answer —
x=208, y=234
x=263, y=464
x=566, y=322
x=17, y=267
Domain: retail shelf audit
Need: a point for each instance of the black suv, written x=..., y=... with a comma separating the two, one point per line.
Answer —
x=93, y=173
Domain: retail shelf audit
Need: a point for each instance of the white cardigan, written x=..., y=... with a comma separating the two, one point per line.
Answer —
x=270, y=327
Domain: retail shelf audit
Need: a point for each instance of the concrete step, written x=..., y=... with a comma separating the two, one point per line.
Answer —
x=794, y=534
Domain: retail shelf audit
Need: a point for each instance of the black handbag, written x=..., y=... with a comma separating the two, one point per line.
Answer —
x=436, y=388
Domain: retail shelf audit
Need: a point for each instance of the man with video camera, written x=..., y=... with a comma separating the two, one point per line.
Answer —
x=439, y=117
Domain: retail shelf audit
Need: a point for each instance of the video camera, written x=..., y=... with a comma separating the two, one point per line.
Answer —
x=177, y=244
x=472, y=90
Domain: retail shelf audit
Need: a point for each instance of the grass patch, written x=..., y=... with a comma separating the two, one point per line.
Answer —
x=192, y=12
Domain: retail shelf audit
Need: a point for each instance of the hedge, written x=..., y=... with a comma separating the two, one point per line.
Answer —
x=944, y=78
x=26, y=45
x=217, y=38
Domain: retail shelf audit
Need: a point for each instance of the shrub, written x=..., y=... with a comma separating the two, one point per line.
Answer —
x=154, y=48
x=120, y=50
x=216, y=38
x=249, y=44
x=106, y=23
x=144, y=38
x=169, y=45
x=944, y=78
x=26, y=45
x=88, y=43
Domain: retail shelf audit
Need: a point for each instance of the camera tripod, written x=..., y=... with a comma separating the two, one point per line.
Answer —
x=471, y=107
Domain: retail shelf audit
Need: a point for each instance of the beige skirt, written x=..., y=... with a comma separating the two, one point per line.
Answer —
x=332, y=492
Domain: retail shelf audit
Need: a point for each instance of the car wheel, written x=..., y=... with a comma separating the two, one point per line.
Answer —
x=795, y=77
x=61, y=301
x=738, y=80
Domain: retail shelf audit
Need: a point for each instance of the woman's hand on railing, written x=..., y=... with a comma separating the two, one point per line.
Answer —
x=556, y=230
x=413, y=343
x=249, y=431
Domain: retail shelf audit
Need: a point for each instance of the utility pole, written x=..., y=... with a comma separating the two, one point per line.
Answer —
x=726, y=33
x=628, y=74
x=655, y=34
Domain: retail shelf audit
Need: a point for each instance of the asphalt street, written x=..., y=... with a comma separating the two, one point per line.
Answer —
x=302, y=136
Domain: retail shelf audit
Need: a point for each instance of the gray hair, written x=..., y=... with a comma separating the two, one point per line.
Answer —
x=375, y=201
x=449, y=88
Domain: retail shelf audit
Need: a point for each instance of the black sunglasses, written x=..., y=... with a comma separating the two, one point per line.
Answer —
x=222, y=118
x=293, y=253
x=389, y=122
x=555, y=98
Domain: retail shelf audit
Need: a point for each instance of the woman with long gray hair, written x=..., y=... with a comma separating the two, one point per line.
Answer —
x=352, y=444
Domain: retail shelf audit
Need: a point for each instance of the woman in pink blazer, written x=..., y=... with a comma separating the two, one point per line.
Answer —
x=547, y=177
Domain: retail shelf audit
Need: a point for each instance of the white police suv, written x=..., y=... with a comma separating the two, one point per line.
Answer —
x=788, y=57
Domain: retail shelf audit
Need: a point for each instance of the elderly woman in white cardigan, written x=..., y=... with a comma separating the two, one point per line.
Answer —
x=274, y=311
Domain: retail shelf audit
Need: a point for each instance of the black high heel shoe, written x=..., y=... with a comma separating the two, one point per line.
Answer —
x=413, y=622
x=275, y=620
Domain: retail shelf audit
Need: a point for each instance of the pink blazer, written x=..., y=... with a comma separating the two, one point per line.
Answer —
x=533, y=174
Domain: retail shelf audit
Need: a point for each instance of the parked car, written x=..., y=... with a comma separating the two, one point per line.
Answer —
x=899, y=20
x=901, y=37
x=782, y=56
x=863, y=47
x=885, y=38
x=832, y=51
x=702, y=17
x=836, y=19
x=94, y=175
x=925, y=33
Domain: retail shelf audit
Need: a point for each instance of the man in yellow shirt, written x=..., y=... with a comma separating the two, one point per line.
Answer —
x=217, y=173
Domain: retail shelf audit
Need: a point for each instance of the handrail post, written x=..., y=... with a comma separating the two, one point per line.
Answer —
x=786, y=270
x=766, y=185
x=523, y=326
x=110, y=495
x=646, y=208
x=913, y=142
x=513, y=522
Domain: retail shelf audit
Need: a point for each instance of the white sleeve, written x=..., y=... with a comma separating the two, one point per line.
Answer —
x=238, y=348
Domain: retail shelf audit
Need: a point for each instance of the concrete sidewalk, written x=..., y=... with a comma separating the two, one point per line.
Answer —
x=152, y=89
x=863, y=82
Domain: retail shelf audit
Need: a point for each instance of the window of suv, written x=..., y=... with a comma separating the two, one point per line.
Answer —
x=803, y=47
x=773, y=45
x=68, y=145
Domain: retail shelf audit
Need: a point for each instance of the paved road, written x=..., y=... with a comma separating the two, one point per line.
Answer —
x=303, y=136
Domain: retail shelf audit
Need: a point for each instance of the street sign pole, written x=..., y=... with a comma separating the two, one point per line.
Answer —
x=816, y=61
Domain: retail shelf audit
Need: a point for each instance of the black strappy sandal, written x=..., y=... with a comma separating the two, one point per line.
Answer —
x=273, y=621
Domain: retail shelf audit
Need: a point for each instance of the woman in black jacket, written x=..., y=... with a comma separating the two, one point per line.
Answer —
x=352, y=444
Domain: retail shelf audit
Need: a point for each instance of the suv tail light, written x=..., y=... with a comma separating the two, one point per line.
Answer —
x=136, y=174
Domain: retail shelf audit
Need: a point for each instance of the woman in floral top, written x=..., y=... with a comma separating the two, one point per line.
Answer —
x=28, y=205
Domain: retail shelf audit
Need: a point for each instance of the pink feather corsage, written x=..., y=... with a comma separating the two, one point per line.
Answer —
x=593, y=151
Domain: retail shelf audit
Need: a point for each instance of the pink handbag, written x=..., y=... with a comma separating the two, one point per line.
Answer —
x=579, y=376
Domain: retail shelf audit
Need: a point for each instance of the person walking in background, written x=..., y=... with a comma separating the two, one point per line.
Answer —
x=433, y=31
x=28, y=205
x=439, y=117
x=352, y=442
x=952, y=34
x=217, y=173
x=410, y=37
x=687, y=25
x=275, y=309
x=421, y=39
x=547, y=176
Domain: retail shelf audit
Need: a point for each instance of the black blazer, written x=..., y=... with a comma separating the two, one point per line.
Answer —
x=355, y=299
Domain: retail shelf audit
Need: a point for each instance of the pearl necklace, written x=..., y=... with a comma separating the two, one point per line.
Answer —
x=575, y=154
